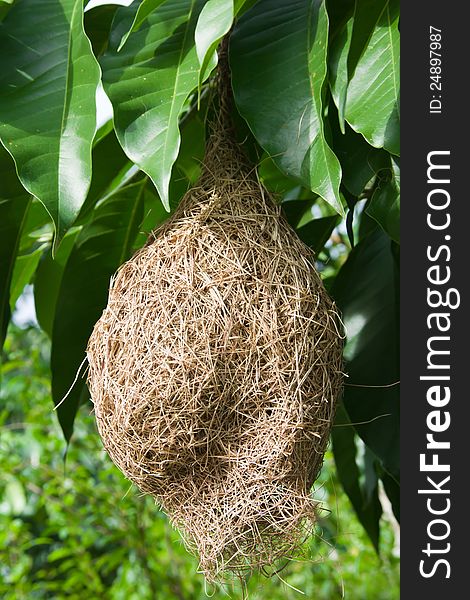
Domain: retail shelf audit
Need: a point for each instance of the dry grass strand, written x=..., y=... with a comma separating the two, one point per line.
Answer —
x=215, y=370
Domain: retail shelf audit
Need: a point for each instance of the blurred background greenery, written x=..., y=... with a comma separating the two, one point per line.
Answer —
x=77, y=529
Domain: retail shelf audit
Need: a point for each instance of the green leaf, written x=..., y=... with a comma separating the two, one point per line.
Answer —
x=239, y=6
x=365, y=501
x=367, y=13
x=25, y=267
x=359, y=160
x=339, y=11
x=5, y=6
x=338, y=69
x=298, y=212
x=278, y=59
x=47, y=102
x=102, y=245
x=349, y=44
x=148, y=83
x=97, y=23
x=366, y=290
x=186, y=171
x=111, y=169
x=214, y=21
x=273, y=178
x=384, y=205
x=37, y=229
x=188, y=165
x=47, y=281
x=364, y=71
x=14, y=203
x=192, y=148
x=139, y=10
x=317, y=232
x=154, y=215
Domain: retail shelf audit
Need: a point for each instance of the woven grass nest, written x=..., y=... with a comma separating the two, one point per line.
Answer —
x=215, y=369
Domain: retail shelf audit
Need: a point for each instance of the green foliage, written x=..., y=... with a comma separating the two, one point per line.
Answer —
x=135, y=17
x=365, y=72
x=101, y=246
x=316, y=94
x=47, y=102
x=366, y=292
x=384, y=206
x=14, y=202
x=78, y=530
x=149, y=81
x=279, y=70
x=213, y=23
x=365, y=501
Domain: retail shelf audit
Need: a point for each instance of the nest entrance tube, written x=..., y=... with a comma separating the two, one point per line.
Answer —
x=215, y=370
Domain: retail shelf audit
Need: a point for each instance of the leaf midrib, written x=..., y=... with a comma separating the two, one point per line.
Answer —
x=320, y=120
x=395, y=82
x=64, y=111
x=175, y=87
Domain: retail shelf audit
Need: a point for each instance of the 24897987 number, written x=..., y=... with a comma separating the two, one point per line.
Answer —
x=435, y=68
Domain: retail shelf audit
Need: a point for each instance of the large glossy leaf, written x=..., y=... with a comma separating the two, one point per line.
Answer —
x=97, y=22
x=367, y=13
x=350, y=42
x=111, y=169
x=47, y=102
x=278, y=59
x=135, y=17
x=365, y=501
x=339, y=11
x=317, y=232
x=359, y=160
x=366, y=290
x=384, y=205
x=185, y=173
x=188, y=165
x=148, y=83
x=48, y=278
x=338, y=68
x=364, y=66
x=25, y=267
x=100, y=248
x=14, y=202
x=214, y=21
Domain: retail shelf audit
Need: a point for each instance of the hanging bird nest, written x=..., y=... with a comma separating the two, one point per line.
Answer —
x=216, y=366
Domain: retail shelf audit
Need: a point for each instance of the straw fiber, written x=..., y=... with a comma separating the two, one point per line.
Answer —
x=215, y=369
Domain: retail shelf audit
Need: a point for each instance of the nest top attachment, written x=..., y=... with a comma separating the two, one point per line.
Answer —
x=215, y=370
